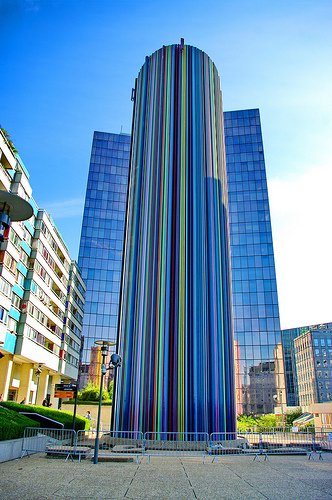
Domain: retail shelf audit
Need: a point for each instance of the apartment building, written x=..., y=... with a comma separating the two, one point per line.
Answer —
x=41, y=298
x=313, y=358
x=320, y=356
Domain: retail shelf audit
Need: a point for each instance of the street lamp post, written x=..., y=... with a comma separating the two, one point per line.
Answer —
x=115, y=362
x=38, y=373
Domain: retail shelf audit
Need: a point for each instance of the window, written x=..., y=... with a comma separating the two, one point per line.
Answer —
x=3, y=315
x=12, y=325
x=16, y=301
x=10, y=263
x=20, y=279
x=24, y=258
x=14, y=238
x=5, y=287
x=42, y=340
x=27, y=236
x=70, y=359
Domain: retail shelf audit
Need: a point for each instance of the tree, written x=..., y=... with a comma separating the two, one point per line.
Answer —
x=290, y=417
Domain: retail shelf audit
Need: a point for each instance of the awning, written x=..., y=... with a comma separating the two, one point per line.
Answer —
x=304, y=419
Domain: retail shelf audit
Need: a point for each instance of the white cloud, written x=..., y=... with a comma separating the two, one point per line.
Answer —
x=301, y=222
x=64, y=209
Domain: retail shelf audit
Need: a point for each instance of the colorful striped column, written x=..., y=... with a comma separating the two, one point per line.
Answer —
x=175, y=326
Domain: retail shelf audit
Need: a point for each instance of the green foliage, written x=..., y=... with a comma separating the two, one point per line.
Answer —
x=246, y=423
x=290, y=417
x=65, y=417
x=250, y=423
x=91, y=393
x=268, y=420
x=12, y=424
x=10, y=142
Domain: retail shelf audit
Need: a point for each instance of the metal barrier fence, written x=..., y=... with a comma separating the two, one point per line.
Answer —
x=184, y=444
x=260, y=443
x=323, y=440
x=51, y=441
x=113, y=443
x=181, y=444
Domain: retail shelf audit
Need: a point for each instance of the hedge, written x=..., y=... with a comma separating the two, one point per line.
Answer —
x=86, y=403
x=65, y=417
x=12, y=424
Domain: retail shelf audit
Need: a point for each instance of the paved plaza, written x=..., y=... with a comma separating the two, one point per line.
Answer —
x=289, y=477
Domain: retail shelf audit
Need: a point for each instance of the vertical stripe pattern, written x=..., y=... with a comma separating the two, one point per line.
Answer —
x=175, y=328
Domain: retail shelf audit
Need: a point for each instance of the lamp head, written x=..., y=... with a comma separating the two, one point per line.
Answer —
x=115, y=360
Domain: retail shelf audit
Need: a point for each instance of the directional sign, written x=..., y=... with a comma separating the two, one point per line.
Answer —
x=65, y=390
x=64, y=394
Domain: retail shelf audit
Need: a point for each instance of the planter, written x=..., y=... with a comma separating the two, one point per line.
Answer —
x=11, y=449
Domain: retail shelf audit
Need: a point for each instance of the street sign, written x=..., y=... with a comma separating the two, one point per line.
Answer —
x=64, y=394
x=65, y=390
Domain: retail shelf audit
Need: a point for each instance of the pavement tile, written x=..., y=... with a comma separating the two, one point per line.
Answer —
x=39, y=478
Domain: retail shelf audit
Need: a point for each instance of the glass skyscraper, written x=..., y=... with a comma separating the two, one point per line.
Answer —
x=100, y=254
x=258, y=357
x=255, y=306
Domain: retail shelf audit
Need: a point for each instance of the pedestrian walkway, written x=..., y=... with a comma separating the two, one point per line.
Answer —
x=231, y=477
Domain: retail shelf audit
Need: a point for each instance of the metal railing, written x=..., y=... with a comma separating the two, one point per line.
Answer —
x=51, y=441
x=323, y=440
x=114, y=443
x=178, y=444
x=184, y=444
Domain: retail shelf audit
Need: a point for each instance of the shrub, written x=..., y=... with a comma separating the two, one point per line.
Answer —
x=91, y=393
x=12, y=424
x=65, y=417
x=246, y=423
x=268, y=420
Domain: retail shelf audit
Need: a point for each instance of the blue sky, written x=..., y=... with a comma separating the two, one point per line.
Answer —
x=68, y=67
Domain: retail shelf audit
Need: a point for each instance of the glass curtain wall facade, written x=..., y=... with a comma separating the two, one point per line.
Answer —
x=255, y=306
x=254, y=288
x=100, y=254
